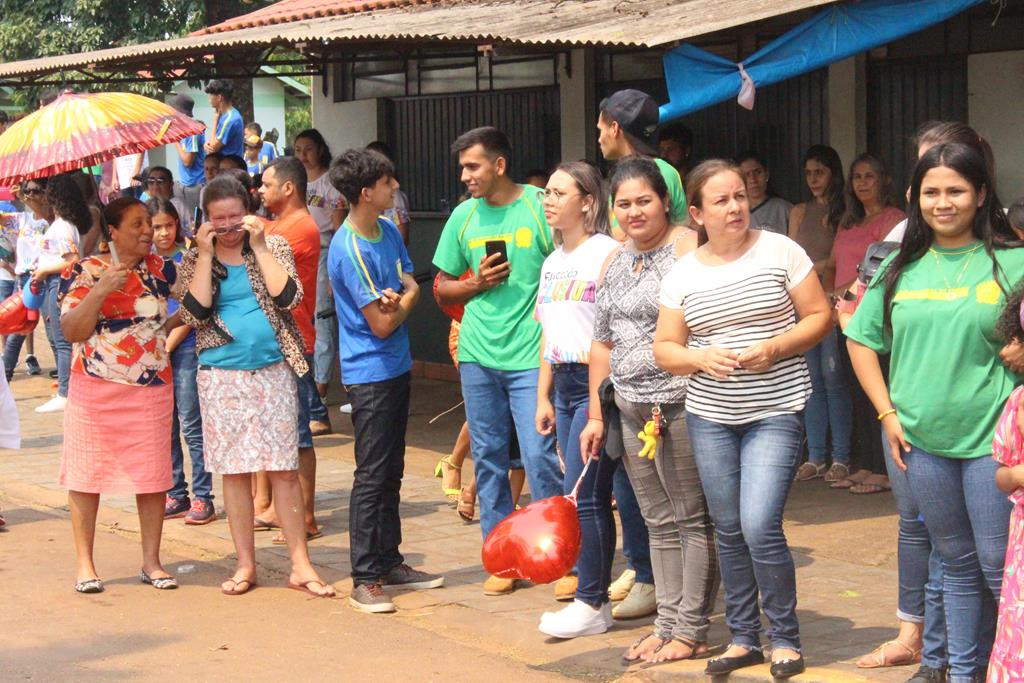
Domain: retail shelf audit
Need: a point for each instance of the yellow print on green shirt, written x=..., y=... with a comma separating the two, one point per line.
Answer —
x=932, y=294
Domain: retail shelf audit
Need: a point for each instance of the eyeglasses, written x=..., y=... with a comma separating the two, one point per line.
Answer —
x=557, y=196
x=158, y=181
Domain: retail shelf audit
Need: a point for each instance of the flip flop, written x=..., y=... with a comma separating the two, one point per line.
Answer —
x=304, y=588
x=310, y=536
x=249, y=585
x=263, y=525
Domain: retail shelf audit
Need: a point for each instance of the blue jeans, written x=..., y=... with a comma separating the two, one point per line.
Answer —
x=188, y=422
x=829, y=405
x=920, y=569
x=307, y=391
x=495, y=399
x=325, y=350
x=61, y=346
x=968, y=520
x=746, y=471
x=593, y=502
x=12, y=349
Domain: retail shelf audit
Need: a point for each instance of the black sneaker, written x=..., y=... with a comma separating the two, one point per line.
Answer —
x=176, y=507
x=368, y=597
x=927, y=674
x=53, y=374
x=404, y=576
x=32, y=365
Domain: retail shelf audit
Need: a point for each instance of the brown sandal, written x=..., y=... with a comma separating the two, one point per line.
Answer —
x=467, y=504
x=877, y=659
x=809, y=471
x=627, y=661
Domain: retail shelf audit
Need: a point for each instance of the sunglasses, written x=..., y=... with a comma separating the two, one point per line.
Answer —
x=158, y=181
x=32, y=191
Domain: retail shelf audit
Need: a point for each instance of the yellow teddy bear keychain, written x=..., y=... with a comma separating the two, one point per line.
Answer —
x=651, y=435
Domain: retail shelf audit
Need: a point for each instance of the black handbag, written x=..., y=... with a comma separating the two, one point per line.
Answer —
x=613, y=446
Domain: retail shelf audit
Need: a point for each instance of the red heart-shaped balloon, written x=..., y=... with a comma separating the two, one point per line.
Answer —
x=539, y=543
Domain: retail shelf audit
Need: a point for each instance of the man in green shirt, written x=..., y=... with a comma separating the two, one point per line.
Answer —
x=627, y=126
x=499, y=341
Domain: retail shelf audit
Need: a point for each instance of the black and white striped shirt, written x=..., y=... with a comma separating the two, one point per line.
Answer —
x=734, y=306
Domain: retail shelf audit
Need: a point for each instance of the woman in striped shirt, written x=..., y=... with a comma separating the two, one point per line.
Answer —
x=736, y=316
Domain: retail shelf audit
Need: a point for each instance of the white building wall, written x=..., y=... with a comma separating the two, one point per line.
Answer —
x=343, y=124
x=995, y=86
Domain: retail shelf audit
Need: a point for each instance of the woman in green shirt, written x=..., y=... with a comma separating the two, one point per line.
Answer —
x=933, y=306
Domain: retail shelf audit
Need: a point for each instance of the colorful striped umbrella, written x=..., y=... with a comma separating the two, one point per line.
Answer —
x=79, y=130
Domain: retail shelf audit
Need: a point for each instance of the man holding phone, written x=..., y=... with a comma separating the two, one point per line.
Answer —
x=500, y=233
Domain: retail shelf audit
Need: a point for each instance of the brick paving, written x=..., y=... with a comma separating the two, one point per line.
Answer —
x=844, y=546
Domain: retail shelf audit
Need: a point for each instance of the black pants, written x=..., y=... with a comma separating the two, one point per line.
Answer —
x=380, y=411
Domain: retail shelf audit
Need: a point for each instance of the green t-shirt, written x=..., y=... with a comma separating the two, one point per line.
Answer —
x=498, y=328
x=947, y=382
x=677, y=213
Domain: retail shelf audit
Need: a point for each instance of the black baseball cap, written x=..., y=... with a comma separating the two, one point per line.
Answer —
x=636, y=113
x=182, y=103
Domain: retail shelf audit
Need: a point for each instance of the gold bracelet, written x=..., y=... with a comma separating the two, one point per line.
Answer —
x=884, y=414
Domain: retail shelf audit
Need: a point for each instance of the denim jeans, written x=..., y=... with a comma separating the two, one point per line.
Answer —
x=188, y=422
x=919, y=570
x=636, y=544
x=325, y=350
x=968, y=519
x=747, y=470
x=593, y=502
x=829, y=408
x=12, y=349
x=669, y=492
x=495, y=399
x=380, y=412
x=307, y=391
x=61, y=347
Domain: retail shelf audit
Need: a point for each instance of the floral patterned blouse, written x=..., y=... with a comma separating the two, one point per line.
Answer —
x=129, y=343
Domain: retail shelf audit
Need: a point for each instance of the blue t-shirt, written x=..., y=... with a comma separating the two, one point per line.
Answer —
x=193, y=175
x=359, y=270
x=254, y=345
x=173, y=304
x=231, y=133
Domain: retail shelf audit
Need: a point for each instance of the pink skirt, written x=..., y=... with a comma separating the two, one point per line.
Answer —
x=117, y=437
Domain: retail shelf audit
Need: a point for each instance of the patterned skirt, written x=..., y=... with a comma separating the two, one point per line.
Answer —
x=249, y=419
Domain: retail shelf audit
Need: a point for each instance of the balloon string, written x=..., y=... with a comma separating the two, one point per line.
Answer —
x=576, y=488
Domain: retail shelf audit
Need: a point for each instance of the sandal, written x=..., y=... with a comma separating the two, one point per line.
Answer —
x=239, y=586
x=809, y=471
x=627, y=661
x=852, y=480
x=837, y=472
x=695, y=651
x=868, y=487
x=467, y=505
x=452, y=495
x=878, y=659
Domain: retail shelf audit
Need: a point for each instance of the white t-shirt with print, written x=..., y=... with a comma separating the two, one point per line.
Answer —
x=567, y=301
x=59, y=239
x=322, y=199
x=734, y=306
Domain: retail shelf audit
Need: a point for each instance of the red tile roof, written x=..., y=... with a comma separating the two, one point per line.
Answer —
x=297, y=10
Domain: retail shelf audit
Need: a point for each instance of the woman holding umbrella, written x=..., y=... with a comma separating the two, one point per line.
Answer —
x=114, y=308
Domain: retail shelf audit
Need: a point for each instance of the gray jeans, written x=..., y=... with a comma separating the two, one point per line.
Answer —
x=671, y=500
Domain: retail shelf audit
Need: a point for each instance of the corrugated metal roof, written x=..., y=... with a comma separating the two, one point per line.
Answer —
x=556, y=23
x=297, y=10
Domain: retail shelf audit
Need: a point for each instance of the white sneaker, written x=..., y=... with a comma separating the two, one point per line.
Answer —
x=620, y=587
x=54, y=405
x=346, y=409
x=577, y=619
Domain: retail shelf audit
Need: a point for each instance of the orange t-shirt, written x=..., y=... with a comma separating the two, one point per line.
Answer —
x=303, y=237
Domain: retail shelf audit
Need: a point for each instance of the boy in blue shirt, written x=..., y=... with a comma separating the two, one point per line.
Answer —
x=374, y=292
x=227, y=122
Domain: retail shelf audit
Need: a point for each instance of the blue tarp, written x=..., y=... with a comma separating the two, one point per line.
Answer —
x=697, y=79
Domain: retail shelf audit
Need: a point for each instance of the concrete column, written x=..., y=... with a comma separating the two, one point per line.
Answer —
x=995, y=87
x=578, y=105
x=847, y=107
x=343, y=124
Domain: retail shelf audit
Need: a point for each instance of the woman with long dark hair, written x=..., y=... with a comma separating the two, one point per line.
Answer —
x=59, y=249
x=933, y=308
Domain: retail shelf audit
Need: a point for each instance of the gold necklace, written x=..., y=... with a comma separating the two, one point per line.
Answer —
x=950, y=288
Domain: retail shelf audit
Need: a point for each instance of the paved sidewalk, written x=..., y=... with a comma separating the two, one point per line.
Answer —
x=845, y=548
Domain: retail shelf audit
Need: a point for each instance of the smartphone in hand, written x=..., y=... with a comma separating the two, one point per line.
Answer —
x=497, y=247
